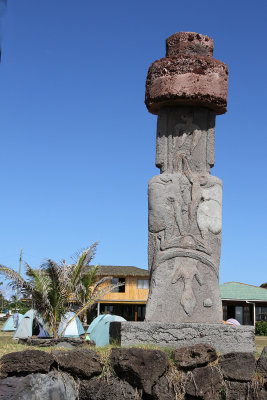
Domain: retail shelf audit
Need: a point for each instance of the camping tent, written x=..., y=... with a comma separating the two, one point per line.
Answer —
x=31, y=324
x=9, y=325
x=99, y=328
x=74, y=329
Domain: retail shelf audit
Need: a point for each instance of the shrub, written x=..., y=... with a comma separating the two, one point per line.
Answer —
x=261, y=328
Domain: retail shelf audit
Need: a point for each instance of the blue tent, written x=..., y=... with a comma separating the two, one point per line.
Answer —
x=9, y=325
x=74, y=329
x=31, y=324
x=99, y=328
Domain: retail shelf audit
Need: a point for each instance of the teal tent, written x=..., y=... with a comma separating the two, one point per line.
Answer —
x=31, y=324
x=98, y=330
x=9, y=325
x=74, y=329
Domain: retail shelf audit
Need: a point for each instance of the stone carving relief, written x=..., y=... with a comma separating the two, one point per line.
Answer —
x=187, y=131
x=186, y=91
x=184, y=207
x=184, y=218
x=186, y=269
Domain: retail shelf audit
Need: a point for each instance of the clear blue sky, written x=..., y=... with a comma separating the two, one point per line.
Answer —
x=78, y=145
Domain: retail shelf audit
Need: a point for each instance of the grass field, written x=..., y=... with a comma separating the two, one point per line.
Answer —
x=8, y=345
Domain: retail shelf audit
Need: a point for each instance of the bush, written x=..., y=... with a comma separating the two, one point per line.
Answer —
x=261, y=328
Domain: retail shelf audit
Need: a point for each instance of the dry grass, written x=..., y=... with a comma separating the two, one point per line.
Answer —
x=8, y=345
x=260, y=341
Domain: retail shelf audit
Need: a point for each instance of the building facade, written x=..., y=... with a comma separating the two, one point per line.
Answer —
x=245, y=303
x=129, y=299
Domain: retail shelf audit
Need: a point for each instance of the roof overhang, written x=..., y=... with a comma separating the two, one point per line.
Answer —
x=248, y=300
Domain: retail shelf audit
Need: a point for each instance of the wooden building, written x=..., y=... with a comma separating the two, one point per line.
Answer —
x=128, y=300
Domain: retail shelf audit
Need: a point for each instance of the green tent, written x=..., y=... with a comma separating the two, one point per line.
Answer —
x=99, y=328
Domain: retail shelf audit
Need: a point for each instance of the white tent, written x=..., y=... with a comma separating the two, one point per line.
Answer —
x=31, y=324
x=74, y=329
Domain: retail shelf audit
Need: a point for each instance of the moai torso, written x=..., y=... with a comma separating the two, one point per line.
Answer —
x=186, y=90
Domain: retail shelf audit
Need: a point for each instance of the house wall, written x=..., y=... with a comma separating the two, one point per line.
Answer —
x=131, y=292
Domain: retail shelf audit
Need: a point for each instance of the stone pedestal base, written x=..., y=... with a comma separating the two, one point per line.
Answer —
x=224, y=338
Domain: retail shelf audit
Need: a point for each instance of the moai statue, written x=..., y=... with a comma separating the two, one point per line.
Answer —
x=187, y=89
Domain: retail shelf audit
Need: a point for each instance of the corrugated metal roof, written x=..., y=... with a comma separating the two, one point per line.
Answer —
x=118, y=270
x=242, y=291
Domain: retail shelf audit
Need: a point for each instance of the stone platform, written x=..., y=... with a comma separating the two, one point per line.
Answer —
x=224, y=338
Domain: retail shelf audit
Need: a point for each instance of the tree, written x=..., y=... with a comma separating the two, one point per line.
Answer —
x=2, y=296
x=54, y=287
x=264, y=285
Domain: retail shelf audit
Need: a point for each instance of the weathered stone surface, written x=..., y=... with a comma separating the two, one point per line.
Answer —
x=52, y=386
x=204, y=383
x=184, y=220
x=195, y=356
x=187, y=80
x=224, y=338
x=26, y=362
x=83, y=363
x=76, y=342
x=189, y=43
x=185, y=132
x=186, y=90
x=237, y=390
x=262, y=362
x=65, y=345
x=164, y=389
x=140, y=367
x=187, y=76
x=259, y=390
x=112, y=388
x=237, y=366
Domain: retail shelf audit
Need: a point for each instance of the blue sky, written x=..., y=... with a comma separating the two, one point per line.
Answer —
x=78, y=145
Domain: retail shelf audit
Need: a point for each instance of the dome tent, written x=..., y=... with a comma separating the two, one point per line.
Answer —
x=31, y=324
x=74, y=329
x=9, y=325
x=98, y=330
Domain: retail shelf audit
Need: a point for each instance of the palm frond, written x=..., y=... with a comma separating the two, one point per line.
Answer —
x=101, y=282
x=83, y=261
x=17, y=280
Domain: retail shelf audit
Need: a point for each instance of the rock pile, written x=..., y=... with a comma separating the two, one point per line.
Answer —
x=191, y=373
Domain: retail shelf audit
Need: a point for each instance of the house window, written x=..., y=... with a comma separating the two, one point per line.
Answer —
x=142, y=284
x=261, y=313
x=239, y=314
x=119, y=289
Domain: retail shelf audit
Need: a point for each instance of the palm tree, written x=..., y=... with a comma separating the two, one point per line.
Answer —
x=53, y=287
